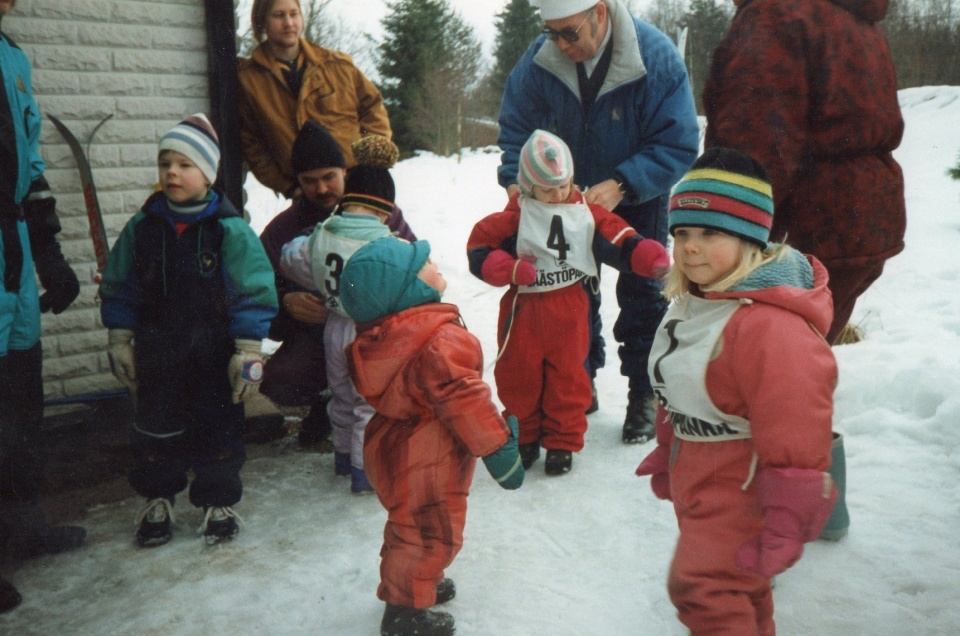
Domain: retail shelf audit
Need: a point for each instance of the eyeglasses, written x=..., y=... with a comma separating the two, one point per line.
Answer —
x=569, y=34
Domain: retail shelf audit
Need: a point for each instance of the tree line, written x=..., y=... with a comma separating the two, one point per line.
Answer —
x=443, y=96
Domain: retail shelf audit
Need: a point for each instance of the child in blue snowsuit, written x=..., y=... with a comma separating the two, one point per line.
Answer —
x=188, y=295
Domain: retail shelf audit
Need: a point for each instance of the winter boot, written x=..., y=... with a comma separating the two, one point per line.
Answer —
x=558, y=462
x=407, y=621
x=594, y=404
x=359, y=484
x=839, y=521
x=446, y=591
x=341, y=464
x=315, y=427
x=28, y=534
x=154, y=523
x=529, y=454
x=220, y=523
x=9, y=597
x=638, y=426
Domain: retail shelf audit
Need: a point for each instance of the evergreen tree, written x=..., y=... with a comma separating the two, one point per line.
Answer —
x=517, y=26
x=707, y=21
x=955, y=171
x=429, y=58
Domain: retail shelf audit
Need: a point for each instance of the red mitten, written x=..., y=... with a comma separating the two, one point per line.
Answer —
x=796, y=503
x=657, y=463
x=499, y=269
x=649, y=259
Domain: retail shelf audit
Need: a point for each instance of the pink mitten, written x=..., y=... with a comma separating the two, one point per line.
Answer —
x=649, y=259
x=796, y=504
x=499, y=269
x=657, y=463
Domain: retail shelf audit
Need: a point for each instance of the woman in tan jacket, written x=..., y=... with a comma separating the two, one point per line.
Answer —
x=287, y=81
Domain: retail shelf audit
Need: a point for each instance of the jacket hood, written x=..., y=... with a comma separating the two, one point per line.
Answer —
x=796, y=282
x=869, y=10
x=383, y=350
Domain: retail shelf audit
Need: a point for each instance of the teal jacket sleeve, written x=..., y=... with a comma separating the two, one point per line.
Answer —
x=118, y=292
x=249, y=277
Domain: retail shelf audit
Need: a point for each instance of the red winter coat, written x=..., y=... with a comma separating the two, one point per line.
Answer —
x=422, y=371
x=807, y=88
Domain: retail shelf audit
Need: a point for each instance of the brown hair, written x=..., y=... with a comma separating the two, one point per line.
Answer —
x=258, y=17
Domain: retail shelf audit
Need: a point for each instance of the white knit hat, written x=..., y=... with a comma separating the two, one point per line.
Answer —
x=558, y=9
x=545, y=161
x=195, y=139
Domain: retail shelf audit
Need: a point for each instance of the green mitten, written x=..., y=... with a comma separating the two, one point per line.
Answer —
x=504, y=463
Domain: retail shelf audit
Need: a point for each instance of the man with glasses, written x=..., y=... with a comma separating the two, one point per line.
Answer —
x=616, y=90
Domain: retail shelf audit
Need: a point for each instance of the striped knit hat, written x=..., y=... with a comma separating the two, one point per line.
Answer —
x=727, y=191
x=195, y=139
x=545, y=161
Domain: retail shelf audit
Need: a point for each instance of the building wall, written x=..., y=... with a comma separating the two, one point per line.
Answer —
x=144, y=63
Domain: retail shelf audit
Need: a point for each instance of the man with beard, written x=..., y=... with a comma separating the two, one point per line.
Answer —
x=295, y=374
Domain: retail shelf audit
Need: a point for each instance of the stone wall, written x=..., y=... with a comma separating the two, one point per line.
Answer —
x=144, y=63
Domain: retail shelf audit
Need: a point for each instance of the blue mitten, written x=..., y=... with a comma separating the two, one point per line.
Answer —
x=504, y=463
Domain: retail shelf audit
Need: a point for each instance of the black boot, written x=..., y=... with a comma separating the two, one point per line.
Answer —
x=558, y=462
x=9, y=596
x=154, y=523
x=220, y=523
x=529, y=453
x=28, y=535
x=315, y=427
x=638, y=426
x=446, y=591
x=408, y=621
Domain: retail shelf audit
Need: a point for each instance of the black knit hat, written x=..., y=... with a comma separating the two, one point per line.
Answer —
x=369, y=182
x=315, y=148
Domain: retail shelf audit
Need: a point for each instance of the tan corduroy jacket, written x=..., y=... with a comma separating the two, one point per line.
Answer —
x=334, y=93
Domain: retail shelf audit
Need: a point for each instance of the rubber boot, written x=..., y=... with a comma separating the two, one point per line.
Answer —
x=839, y=521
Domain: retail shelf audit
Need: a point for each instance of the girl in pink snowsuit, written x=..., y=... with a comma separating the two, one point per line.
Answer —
x=745, y=382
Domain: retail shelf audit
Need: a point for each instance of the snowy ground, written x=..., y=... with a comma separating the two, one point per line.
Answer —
x=587, y=553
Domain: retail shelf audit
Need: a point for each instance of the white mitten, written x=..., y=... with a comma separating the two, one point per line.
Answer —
x=245, y=369
x=120, y=353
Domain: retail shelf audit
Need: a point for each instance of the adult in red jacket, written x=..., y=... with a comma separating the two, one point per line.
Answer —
x=807, y=88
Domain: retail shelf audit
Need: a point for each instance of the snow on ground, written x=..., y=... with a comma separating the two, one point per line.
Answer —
x=587, y=553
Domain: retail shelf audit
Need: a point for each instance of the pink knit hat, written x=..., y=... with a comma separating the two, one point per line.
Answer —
x=545, y=161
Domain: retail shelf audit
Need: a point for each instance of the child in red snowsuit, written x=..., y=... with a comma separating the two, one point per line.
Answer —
x=418, y=366
x=546, y=245
x=745, y=381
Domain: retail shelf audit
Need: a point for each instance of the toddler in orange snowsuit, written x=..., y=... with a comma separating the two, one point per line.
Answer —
x=745, y=381
x=546, y=245
x=418, y=366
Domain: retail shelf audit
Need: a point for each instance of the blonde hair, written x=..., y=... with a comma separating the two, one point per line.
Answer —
x=752, y=256
x=258, y=17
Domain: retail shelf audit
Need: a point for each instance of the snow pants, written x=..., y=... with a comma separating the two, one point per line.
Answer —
x=847, y=283
x=641, y=302
x=187, y=420
x=422, y=477
x=21, y=413
x=540, y=374
x=712, y=595
x=347, y=410
x=295, y=374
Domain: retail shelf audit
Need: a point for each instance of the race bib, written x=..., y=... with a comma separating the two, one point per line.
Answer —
x=329, y=252
x=560, y=238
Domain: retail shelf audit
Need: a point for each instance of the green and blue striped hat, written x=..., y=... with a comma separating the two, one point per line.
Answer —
x=727, y=191
x=545, y=161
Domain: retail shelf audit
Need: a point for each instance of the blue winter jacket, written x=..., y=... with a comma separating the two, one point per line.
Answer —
x=20, y=309
x=642, y=126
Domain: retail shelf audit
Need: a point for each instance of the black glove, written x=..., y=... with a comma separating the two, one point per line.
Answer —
x=59, y=281
x=57, y=278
